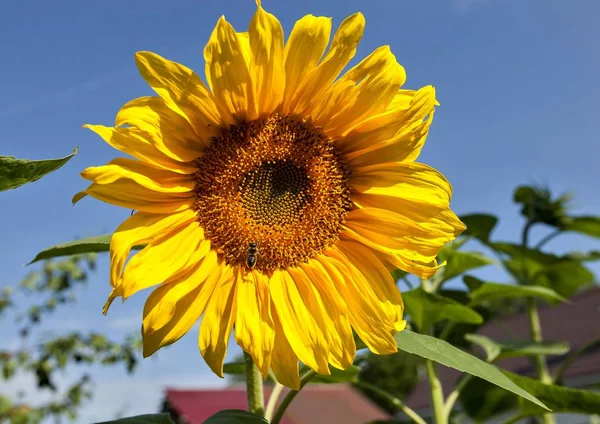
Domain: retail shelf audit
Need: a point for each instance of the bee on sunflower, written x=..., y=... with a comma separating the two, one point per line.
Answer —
x=275, y=199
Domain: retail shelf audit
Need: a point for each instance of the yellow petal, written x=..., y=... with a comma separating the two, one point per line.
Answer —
x=284, y=361
x=183, y=91
x=254, y=327
x=147, y=176
x=228, y=74
x=411, y=180
x=131, y=195
x=303, y=50
x=217, y=322
x=137, y=143
x=364, y=90
x=162, y=257
x=138, y=229
x=174, y=307
x=165, y=129
x=376, y=279
x=342, y=348
x=298, y=311
x=406, y=122
x=266, y=41
x=366, y=316
x=343, y=47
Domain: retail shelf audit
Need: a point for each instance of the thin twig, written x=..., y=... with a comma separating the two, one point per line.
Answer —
x=393, y=400
x=277, y=389
x=290, y=397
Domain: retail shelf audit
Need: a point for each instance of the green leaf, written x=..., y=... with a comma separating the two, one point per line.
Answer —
x=143, y=419
x=592, y=255
x=235, y=416
x=559, y=399
x=508, y=349
x=16, y=172
x=482, y=400
x=460, y=262
x=337, y=376
x=234, y=368
x=492, y=291
x=479, y=226
x=86, y=245
x=588, y=225
x=426, y=309
x=444, y=353
x=564, y=277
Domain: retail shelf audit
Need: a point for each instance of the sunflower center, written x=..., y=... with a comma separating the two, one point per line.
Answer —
x=275, y=193
x=276, y=182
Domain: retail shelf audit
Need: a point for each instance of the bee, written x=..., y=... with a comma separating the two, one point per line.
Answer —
x=253, y=252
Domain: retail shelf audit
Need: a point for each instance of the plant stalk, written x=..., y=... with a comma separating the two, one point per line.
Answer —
x=254, y=387
x=437, y=395
x=277, y=389
x=290, y=397
x=410, y=413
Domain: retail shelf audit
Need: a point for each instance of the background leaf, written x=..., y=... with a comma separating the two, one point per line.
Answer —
x=512, y=348
x=235, y=416
x=426, y=309
x=479, y=226
x=234, y=368
x=85, y=245
x=588, y=225
x=16, y=172
x=460, y=262
x=337, y=376
x=143, y=419
x=557, y=398
x=444, y=353
x=492, y=291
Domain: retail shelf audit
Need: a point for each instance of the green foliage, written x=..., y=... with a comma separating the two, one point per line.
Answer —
x=461, y=262
x=143, y=419
x=482, y=400
x=479, y=226
x=54, y=285
x=588, y=225
x=396, y=374
x=486, y=292
x=557, y=398
x=539, y=206
x=444, y=353
x=235, y=416
x=337, y=376
x=512, y=348
x=16, y=172
x=426, y=309
x=76, y=247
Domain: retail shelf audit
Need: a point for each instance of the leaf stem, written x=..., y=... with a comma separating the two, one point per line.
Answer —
x=290, y=397
x=453, y=396
x=437, y=395
x=277, y=389
x=393, y=400
x=254, y=387
x=546, y=239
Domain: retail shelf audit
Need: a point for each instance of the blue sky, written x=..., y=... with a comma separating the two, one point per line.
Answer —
x=517, y=83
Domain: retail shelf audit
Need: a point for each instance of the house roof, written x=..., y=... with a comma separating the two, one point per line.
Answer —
x=575, y=322
x=316, y=404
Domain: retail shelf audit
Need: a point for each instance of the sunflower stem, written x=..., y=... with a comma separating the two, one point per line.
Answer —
x=254, y=387
x=437, y=395
x=290, y=397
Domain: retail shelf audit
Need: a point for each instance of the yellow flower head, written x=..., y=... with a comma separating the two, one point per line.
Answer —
x=275, y=201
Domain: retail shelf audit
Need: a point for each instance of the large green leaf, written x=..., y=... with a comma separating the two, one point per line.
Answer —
x=507, y=349
x=588, y=225
x=235, y=416
x=86, y=245
x=143, y=419
x=444, y=353
x=426, y=309
x=16, y=172
x=557, y=398
x=492, y=291
x=479, y=225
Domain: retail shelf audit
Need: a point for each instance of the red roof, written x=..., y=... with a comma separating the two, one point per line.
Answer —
x=575, y=322
x=315, y=404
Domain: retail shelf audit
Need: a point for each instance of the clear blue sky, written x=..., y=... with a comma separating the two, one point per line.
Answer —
x=517, y=81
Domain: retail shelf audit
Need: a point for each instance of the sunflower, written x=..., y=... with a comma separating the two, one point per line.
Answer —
x=275, y=199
